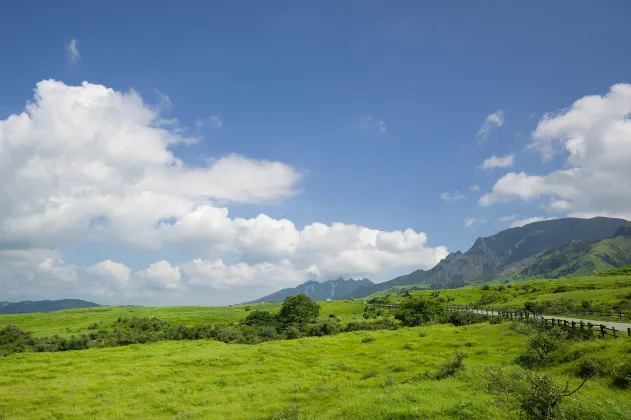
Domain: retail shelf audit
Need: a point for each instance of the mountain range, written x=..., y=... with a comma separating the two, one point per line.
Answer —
x=28, y=306
x=548, y=249
x=334, y=289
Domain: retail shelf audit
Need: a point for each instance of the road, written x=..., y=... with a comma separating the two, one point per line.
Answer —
x=619, y=326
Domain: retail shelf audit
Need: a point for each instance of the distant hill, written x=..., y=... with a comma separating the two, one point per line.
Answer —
x=622, y=271
x=29, y=306
x=334, y=289
x=506, y=252
x=577, y=258
x=4, y=303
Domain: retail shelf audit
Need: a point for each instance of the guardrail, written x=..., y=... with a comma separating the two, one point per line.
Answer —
x=586, y=328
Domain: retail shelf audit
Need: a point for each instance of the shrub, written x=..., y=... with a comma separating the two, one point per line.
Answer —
x=541, y=398
x=422, y=333
x=299, y=309
x=415, y=310
x=368, y=339
x=324, y=328
x=259, y=318
x=622, y=376
x=369, y=374
x=588, y=368
x=495, y=319
x=248, y=308
x=450, y=367
x=459, y=318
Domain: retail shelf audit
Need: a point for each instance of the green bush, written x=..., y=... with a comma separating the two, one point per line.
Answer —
x=451, y=366
x=299, y=309
x=621, y=377
x=415, y=310
x=368, y=339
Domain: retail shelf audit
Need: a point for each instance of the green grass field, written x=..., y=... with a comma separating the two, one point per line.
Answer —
x=341, y=376
x=314, y=378
x=76, y=321
x=604, y=291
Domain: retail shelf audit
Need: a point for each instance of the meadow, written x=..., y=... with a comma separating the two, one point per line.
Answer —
x=342, y=376
x=604, y=292
x=76, y=321
x=407, y=373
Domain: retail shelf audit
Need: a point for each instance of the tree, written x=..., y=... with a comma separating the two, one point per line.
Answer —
x=299, y=309
x=416, y=311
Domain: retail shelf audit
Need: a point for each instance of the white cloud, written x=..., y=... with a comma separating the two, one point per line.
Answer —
x=370, y=123
x=214, y=122
x=470, y=221
x=508, y=218
x=474, y=188
x=498, y=162
x=88, y=163
x=73, y=50
x=455, y=196
x=493, y=120
x=595, y=135
x=524, y=222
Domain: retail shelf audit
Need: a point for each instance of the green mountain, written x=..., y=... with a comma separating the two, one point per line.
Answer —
x=506, y=252
x=334, y=289
x=577, y=258
x=28, y=306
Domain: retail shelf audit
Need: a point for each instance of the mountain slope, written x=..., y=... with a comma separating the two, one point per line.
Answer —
x=29, y=306
x=334, y=289
x=506, y=252
x=4, y=303
x=577, y=258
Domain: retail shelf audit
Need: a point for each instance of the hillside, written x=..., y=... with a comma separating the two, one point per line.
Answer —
x=4, y=303
x=577, y=258
x=505, y=252
x=622, y=271
x=334, y=289
x=29, y=306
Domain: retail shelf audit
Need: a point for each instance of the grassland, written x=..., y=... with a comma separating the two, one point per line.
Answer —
x=314, y=378
x=601, y=291
x=76, y=321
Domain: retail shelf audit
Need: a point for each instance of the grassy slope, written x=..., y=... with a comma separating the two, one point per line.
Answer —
x=76, y=321
x=601, y=290
x=307, y=378
x=622, y=271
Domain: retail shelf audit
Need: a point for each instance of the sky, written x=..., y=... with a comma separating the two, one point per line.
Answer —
x=205, y=153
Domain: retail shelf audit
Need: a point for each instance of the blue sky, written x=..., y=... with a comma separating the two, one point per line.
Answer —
x=377, y=105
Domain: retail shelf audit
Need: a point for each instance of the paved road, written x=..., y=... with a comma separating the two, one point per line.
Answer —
x=619, y=326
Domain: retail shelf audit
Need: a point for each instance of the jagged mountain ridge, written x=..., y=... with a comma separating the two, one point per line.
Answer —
x=505, y=252
x=334, y=289
x=29, y=306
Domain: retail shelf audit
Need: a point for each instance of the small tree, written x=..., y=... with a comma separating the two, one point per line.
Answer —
x=542, y=397
x=416, y=311
x=299, y=309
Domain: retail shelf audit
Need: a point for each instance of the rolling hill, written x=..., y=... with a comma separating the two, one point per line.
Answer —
x=29, y=306
x=334, y=289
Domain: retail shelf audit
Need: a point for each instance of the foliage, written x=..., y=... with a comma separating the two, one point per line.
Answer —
x=299, y=309
x=368, y=339
x=459, y=318
x=416, y=310
x=622, y=376
x=542, y=397
x=542, y=345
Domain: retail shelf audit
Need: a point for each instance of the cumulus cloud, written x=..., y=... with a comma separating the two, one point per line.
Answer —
x=455, y=196
x=370, y=123
x=493, y=120
x=524, y=222
x=498, y=162
x=595, y=135
x=73, y=50
x=88, y=163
